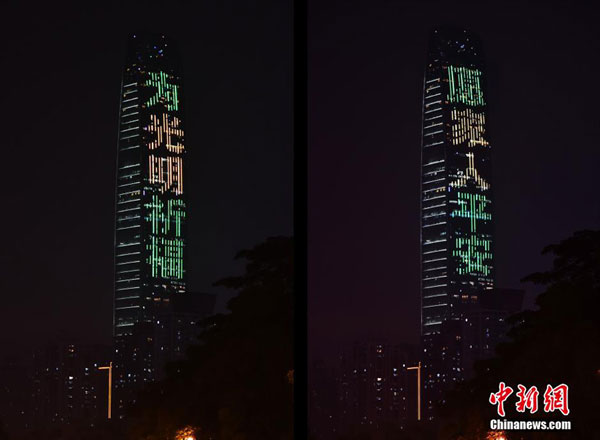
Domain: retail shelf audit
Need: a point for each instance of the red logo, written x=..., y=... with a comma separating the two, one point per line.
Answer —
x=528, y=399
x=555, y=398
x=499, y=398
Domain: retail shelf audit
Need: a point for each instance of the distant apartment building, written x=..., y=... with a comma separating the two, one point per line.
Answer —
x=66, y=385
x=376, y=391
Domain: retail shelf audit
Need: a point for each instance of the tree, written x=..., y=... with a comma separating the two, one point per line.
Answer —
x=3, y=434
x=235, y=383
x=557, y=343
x=104, y=430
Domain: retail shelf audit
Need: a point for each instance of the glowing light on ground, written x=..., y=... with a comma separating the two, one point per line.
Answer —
x=187, y=433
x=496, y=435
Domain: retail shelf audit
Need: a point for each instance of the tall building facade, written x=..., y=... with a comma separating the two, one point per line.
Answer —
x=485, y=326
x=60, y=384
x=177, y=328
x=457, y=265
x=66, y=385
x=377, y=394
x=150, y=244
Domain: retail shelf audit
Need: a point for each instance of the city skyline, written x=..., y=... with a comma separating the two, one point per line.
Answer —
x=364, y=150
x=242, y=90
x=181, y=177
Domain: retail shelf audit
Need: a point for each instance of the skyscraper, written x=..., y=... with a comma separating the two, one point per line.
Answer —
x=456, y=202
x=150, y=207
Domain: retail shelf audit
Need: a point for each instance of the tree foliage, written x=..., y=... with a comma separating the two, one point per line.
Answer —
x=557, y=343
x=103, y=430
x=235, y=384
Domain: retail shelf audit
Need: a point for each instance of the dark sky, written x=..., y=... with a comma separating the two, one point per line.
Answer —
x=61, y=71
x=366, y=61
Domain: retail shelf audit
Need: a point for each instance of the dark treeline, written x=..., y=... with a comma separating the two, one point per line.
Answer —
x=555, y=344
x=558, y=343
x=237, y=382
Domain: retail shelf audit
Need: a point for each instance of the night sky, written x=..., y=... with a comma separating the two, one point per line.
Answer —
x=61, y=77
x=366, y=63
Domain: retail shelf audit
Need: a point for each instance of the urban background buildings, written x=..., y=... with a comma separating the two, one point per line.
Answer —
x=463, y=313
x=155, y=317
x=58, y=384
x=367, y=391
x=58, y=262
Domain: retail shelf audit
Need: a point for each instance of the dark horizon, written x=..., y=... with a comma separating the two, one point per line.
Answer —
x=365, y=89
x=62, y=106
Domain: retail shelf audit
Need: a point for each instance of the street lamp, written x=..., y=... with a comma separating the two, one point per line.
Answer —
x=109, y=368
x=418, y=368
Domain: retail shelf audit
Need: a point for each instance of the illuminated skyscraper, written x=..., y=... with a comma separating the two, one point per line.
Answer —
x=456, y=203
x=150, y=207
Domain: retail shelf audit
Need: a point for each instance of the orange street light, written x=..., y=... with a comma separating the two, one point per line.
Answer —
x=109, y=368
x=187, y=433
x=496, y=435
x=418, y=368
